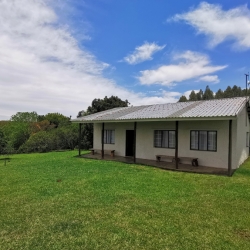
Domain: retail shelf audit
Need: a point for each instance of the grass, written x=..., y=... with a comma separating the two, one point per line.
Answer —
x=57, y=201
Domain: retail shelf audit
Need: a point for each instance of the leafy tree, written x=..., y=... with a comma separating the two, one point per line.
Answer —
x=208, y=94
x=183, y=99
x=24, y=117
x=2, y=142
x=97, y=106
x=16, y=133
x=57, y=119
x=39, y=142
x=105, y=104
x=193, y=96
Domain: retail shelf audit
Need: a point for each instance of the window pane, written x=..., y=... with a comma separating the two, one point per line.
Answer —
x=112, y=140
x=165, y=139
x=171, y=139
x=212, y=141
x=109, y=136
x=194, y=139
x=157, y=138
x=203, y=140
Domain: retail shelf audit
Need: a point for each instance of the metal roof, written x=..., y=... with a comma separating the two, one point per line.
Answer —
x=218, y=108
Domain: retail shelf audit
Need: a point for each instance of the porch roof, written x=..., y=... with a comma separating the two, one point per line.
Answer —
x=219, y=108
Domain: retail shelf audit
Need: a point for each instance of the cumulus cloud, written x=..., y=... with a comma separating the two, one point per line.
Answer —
x=143, y=53
x=43, y=68
x=190, y=65
x=209, y=78
x=218, y=24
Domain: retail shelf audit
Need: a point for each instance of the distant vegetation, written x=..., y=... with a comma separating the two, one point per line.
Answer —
x=208, y=94
x=28, y=132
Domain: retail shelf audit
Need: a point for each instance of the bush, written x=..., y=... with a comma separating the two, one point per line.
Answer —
x=39, y=142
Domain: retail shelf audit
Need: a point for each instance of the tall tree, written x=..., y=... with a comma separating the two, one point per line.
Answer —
x=236, y=91
x=199, y=95
x=208, y=94
x=183, y=99
x=228, y=92
x=192, y=96
x=219, y=94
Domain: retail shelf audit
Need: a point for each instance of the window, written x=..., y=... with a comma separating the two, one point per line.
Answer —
x=203, y=140
x=109, y=136
x=247, y=139
x=164, y=138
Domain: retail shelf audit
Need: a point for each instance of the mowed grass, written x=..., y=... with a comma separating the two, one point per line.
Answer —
x=57, y=201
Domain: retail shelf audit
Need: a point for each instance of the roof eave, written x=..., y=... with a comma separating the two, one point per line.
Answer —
x=218, y=118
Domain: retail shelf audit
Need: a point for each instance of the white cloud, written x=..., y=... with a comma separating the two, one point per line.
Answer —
x=191, y=65
x=220, y=25
x=143, y=53
x=42, y=67
x=209, y=78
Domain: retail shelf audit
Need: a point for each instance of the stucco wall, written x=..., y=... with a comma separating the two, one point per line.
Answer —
x=120, y=136
x=242, y=151
x=145, y=140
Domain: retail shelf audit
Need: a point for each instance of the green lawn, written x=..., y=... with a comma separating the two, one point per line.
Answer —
x=57, y=201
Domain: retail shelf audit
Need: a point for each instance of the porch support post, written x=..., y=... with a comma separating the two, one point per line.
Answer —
x=134, y=149
x=176, y=144
x=79, y=139
x=103, y=140
x=230, y=149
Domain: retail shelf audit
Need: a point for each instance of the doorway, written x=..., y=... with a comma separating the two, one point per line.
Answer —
x=130, y=142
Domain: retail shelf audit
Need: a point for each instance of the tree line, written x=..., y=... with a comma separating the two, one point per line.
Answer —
x=208, y=94
x=28, y=132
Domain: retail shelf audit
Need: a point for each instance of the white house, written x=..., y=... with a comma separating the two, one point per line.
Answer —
x=215, y=131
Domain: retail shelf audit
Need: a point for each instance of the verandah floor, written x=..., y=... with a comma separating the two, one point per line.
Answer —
x=162, y=164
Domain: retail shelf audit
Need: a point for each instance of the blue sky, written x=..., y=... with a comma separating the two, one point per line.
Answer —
x=57, y=56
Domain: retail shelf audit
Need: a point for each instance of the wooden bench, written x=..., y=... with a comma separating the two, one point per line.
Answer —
x=159, y=157
x=111, y=152
x=194, y=161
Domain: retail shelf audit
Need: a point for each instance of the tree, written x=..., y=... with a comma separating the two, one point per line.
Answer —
x=183, y=99
x=208, y=94
x=105, y=104
x=57, y=119
x=199, y=95
x=24, y=117
x=228, y=92
x=2, y=142
x=192, y=96
x=219, y=94
x=236, y=91
x=98, y=105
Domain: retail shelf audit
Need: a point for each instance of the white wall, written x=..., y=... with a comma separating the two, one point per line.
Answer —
x=242, y=151
x=145, y=140
x=120, y=136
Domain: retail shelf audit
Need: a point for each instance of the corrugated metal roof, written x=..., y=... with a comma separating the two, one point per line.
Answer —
x=228, y=107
